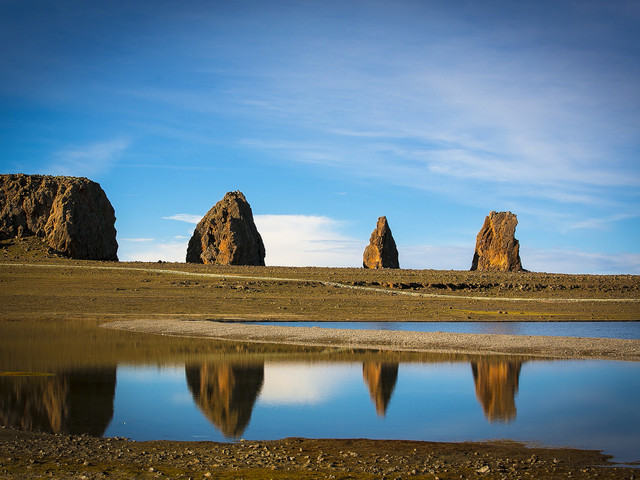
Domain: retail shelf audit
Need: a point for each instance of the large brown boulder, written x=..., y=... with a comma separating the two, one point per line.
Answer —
x=72, y=215
x=381, y=251
x=497, y=249
x=227, y=235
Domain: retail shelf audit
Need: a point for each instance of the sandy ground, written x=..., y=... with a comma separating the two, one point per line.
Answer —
x=440, y=342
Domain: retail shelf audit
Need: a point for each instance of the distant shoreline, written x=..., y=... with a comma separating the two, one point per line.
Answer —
x=436, y=342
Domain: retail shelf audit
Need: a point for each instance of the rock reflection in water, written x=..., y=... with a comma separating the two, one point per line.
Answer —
x=73, y=402
x=496, y=388
x=226, y=393
x=381, y=378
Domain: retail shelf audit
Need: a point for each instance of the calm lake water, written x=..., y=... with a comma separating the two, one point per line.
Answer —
x=148, y=387
x=630, y=330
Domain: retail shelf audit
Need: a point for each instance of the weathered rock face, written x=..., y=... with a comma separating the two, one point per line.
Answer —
x=227, y=235
x=71, y=214
x=496, y=246
x=381, y=251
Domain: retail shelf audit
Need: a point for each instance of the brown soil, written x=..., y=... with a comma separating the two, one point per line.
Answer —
x=55, y=288
x=26, y=455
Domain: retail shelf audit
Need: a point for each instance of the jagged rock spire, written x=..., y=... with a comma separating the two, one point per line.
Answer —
x=227, y=235
x=381, y=251
x=496, y=246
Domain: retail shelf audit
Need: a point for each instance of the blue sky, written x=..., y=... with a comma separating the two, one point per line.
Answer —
x=328, y=114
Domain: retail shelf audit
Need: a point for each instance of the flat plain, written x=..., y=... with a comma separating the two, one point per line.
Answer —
x=39, y=289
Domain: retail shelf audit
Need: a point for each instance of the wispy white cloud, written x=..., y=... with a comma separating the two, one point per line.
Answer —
x=136, y=240
x=600, y=223
x=184, y=217
x=88, y=160
x=307, y=240
x=168, y=250
x=577, y=262
x=447, y=113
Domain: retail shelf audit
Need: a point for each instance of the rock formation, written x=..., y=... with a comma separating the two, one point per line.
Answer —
x=72, y=215
x=496, y=246
x=226, y=393
x=227, y=235
x=381, y=251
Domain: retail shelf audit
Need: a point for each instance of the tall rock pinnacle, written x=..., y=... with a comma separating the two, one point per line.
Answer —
x=227, y=235
x=381, y=251
x=496, y=246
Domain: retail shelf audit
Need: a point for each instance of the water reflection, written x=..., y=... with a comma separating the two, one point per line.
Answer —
x=381, y=379
x=213, y=399
x=496, y=388
x=72, y=402
x=197, y=389
x=226, y=393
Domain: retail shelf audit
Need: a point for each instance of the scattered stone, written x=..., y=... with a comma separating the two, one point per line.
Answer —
x=381, y=251
x=72, y=215
x=496, y=246
x=227, y=235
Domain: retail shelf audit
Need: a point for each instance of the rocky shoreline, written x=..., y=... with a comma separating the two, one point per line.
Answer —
x=437, y=342
x=27, y=455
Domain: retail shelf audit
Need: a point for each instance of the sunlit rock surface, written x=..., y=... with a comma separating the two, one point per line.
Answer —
x=381, y=251
x=227, y=235
x=496, y=246
x=72, y=215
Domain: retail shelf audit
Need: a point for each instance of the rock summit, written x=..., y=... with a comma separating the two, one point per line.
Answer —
x=497, y=249
x=227, y=235
x=381, y=251
x=72, y=215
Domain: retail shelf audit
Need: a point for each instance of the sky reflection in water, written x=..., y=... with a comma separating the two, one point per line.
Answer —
x=586, y=404
x=146, y=387
x=628, y=330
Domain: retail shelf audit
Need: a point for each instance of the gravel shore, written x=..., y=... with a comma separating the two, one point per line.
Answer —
x=440, y=342
x=29, y=455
